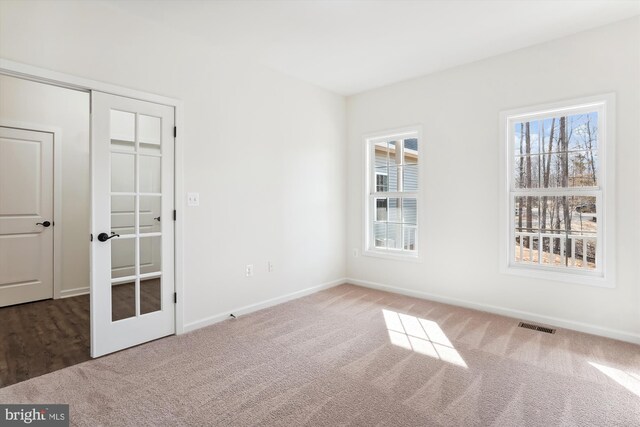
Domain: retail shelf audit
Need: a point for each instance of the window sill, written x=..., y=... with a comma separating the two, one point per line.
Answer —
x=588, y=278
x=395, y=256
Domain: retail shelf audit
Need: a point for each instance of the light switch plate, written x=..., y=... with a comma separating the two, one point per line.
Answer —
x=193, y=199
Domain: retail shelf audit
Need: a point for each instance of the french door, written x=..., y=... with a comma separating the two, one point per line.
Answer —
x=132, y=271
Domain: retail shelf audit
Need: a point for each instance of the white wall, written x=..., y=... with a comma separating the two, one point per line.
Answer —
x=36, y=103
x=265, y=152
x=459, y=111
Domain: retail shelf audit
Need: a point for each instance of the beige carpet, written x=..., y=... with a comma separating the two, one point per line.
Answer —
x=354, y=356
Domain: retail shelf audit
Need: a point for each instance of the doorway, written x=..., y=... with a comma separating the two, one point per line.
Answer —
x=44, y=222
x=45, y=298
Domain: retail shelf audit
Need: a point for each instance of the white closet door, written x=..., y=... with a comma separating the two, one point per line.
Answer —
x=132, y=272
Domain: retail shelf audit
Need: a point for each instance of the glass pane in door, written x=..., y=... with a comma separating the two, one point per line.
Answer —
x=150, y=208
x=136, y=202
x=150, y=295
x=123, y=300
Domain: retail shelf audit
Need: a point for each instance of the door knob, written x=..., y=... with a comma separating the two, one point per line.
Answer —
x=157, y=218
x=44, y=224
x=103, y=237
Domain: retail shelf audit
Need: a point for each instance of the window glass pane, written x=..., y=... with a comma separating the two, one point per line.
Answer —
x=123, y=214
x=381, y=154
x=148, y=129
x=526, y=248
x=123, y=172
x=409, y=243
x=150, y=174
x=573, y=169
x=583, y=132
x=123, y=300
x=150, y=214
x=410, y=178
x=527, y=212
x=149, y=138
x=123, y=127
x=394, y=236
x=394, y=210
x=410, y=211
x=583, y=216
x=410, y=151
x=548, y=255
x=393, y=150
x=553, y=213
x=381, y=210
x=582, y=169
x=526, y=138
x=393, y=178
x=549, y=133
x=150, y=254
x=382, y=179
x=527, y=171
x=380, y=234
x=123, y=257
x=150, y=295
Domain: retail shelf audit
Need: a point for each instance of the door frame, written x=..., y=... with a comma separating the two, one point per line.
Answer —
x=57, y=194
x=41, y=75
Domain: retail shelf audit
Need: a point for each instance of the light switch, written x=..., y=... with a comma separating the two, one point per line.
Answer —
x=193, y=199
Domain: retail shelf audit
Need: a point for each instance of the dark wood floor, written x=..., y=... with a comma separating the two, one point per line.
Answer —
x=44, y=336
x=41, y=337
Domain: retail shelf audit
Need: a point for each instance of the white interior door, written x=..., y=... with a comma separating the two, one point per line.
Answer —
x=26, y=216
x=132, y=272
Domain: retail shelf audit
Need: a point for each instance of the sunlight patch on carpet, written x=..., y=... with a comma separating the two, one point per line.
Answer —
x=629, y=381
x=422, y=336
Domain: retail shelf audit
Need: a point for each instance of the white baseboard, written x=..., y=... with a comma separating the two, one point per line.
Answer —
x=259, y=306
x=66, y=293
x=518, y=314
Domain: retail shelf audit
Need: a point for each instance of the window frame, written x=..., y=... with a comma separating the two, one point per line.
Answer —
x=370, y=193
x=604, y=192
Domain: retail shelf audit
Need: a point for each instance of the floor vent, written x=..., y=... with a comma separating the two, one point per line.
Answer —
x=536, y=327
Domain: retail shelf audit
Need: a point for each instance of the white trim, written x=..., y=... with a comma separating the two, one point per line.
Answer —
x=55, y=78
x=180, y=202
x=390, y=255
x=508, y=312
x=57, y=195
x=207, y=321
x=605, y=192
x=367, y=235
x=68, y=293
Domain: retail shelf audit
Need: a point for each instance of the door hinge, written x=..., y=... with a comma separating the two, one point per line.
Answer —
x=91, y=238
x=174, y=215
x=175, y=131
x=175, y=297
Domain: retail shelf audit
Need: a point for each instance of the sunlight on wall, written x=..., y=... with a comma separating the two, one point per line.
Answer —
x=629, y=381
x=422, y=336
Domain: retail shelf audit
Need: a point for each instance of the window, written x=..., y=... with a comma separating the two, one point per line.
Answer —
x=392, y=194
x=557, y=190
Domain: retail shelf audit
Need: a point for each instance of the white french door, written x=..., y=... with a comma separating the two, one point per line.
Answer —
x=132, y=271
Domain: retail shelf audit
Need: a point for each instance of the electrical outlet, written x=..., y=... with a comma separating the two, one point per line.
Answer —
x=270, y=267
x=248, y=271
x=193, y=199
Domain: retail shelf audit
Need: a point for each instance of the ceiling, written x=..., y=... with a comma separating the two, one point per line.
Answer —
x=353, y=46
